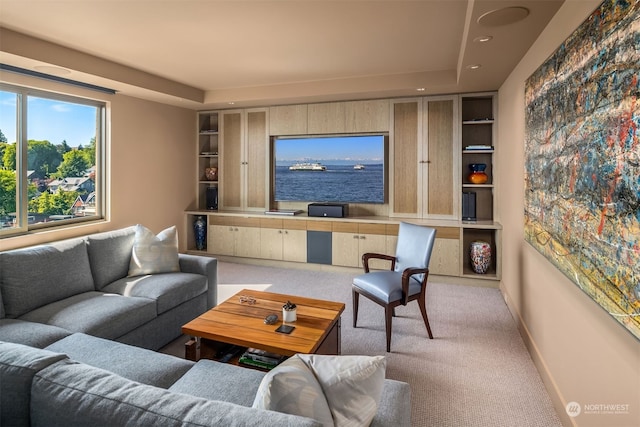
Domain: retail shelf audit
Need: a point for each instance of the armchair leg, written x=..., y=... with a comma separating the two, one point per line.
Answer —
x=355, y=297
x=423, y=310
x=388, y=314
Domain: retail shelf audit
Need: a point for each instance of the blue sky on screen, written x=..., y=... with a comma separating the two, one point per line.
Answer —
x=51, y=120
x=343, y=148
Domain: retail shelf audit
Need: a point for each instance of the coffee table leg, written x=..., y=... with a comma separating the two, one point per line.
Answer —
x=192, y=349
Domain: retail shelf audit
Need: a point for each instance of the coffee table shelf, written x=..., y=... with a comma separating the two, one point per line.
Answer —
x=317, y=328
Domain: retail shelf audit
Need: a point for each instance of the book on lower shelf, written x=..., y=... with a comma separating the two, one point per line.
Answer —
x=261, y=358
x=283, y=212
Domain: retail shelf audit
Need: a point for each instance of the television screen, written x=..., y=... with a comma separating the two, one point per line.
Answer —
x=345, y=169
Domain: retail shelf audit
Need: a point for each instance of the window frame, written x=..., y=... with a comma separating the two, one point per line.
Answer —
x=22, y=201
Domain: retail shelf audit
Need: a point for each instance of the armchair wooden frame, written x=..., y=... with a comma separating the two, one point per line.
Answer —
x=389, y=308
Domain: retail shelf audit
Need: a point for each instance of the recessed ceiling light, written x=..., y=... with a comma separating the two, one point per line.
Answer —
x=474, y=66
x=420, y=89
x=231, y=103
x=482, y=39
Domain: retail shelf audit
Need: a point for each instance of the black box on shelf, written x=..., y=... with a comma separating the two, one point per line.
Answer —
x=331, y=210
x=212, y=198
x=468, y=206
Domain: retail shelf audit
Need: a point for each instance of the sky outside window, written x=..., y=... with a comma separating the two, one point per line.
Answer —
x=51, y=120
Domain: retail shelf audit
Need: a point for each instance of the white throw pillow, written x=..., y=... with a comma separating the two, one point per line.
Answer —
x=154, y=254
x=351, y=386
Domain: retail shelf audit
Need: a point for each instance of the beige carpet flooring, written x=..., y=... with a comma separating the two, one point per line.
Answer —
x=475, y=372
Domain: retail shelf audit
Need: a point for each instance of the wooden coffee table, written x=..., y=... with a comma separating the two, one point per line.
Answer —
x=240, y=322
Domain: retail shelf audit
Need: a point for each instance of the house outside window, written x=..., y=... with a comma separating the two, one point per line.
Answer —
x=51, y=160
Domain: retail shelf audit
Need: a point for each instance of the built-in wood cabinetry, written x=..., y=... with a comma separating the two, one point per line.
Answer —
x=478, y=145
x=424, y=153
x=207, y=154
x=245, y=160
x=428, y=166
x=352, y=239
x=330, y=118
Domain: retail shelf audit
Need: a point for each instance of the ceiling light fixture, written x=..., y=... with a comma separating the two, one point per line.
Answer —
x=420, y=89
x=231, y=103
x=482, y=39
x=474, y=66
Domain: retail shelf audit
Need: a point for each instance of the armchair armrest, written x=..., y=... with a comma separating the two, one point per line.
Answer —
x=369, y=255
x=406, y=276
x=207, y=267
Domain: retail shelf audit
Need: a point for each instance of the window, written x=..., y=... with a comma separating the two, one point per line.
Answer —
x=51, y=171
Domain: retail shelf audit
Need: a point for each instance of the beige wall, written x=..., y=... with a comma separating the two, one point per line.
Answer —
x=584, y=355
x=151, y=151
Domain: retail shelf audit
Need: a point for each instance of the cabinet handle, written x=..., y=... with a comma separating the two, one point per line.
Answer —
x=286, y=232
x=279, y=231
x=425, y=161
x=363, y=237
x=355, y=237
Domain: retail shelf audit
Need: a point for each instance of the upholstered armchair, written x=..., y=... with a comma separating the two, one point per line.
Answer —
x=405, y=281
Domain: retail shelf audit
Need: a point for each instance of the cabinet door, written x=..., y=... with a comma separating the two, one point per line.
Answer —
x=404, y=158
x=255, y=160
x=367, y=116
x=445, y=258
x=375, y=243
x=231, y=174
x=326, y=118
x=345, y=249
x=247, y=241
x=271, y=243
x=294, y=245
x=440, y=150
x=221, y=240
x=288, y=120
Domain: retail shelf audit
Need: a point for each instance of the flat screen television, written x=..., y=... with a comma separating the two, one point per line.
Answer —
x=342, y=169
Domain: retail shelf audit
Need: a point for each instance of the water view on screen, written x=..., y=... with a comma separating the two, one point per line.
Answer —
x=330, y=169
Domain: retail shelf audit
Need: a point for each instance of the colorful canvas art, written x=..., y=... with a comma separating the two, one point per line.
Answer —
x=582, y=159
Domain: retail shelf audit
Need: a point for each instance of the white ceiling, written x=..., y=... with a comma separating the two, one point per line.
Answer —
x=272, y=52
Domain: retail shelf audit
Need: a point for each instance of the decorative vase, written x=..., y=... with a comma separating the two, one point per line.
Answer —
x=211, y=173
x=478, y=175
x=480, y=254
x=200, y=232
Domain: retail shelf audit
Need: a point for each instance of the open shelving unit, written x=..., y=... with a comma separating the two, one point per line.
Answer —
x=208, y=153
x=478, y=113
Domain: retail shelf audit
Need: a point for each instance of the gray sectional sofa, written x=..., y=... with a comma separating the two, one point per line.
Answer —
x=81, y=285
x=76, y=341
x=82, y=380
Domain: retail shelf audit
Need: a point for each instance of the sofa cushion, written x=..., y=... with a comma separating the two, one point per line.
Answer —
x=99, y=398
x=232, y=383
x=292, y=388
x=96, y=313
x=351, y=387
x=40, y=275
x=30, y=333
x=110, y=255
x=134, y=363
x=154, y=254
x=18, y=364
x=169, y=290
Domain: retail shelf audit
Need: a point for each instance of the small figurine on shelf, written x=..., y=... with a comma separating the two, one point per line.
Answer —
x=211, y=173
x=200, y=232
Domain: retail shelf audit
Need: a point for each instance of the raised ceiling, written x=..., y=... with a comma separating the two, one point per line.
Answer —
x=208, y=54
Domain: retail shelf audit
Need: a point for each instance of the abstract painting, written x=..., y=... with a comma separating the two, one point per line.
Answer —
x=582, y=159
